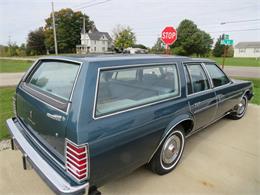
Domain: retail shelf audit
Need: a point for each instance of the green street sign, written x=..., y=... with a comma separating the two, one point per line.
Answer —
x=227, y=42
x=226, y=36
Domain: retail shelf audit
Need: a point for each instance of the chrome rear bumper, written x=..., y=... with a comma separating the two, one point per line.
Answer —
x=56, y=182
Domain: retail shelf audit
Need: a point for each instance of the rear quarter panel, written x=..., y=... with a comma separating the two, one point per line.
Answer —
x=120, y=143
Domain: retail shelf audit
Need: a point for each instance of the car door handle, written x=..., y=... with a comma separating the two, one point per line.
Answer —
x=55, y=117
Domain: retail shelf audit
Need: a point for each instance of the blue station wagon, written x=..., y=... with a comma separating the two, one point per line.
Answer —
x=83, y=121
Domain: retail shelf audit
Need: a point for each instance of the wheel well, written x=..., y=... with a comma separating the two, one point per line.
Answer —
x=248, y=94
x=187, y=125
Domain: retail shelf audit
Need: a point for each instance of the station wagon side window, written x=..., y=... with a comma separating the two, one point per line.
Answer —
x=217, y=75
x=126, y=88
x=188, y=80
x=199, y=81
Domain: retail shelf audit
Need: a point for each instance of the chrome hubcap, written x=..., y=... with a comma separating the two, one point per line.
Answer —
x=241, y=107
x=171, y=149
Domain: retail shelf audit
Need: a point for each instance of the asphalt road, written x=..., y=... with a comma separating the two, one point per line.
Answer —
x=10, y=79
x=222, y=159
x=251, y=72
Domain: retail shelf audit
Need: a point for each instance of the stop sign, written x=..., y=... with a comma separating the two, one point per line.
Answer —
x=169, y=35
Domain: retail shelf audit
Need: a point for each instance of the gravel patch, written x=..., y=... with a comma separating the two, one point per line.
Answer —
x=5, y=144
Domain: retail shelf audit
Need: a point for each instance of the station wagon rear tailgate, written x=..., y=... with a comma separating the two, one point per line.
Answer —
x=43, y=99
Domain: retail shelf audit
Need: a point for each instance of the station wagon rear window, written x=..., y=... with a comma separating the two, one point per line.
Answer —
x=125, y=88
x=55, y=78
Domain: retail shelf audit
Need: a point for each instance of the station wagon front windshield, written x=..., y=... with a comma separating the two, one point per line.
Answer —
x=54, y=77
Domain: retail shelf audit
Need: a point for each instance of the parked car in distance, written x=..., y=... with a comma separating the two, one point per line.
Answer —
x=81, y=122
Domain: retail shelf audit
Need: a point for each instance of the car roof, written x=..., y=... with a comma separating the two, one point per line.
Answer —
x=128, y=57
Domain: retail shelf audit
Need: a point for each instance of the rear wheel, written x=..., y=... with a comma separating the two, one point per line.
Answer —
x=240, y=109
x=169, y=153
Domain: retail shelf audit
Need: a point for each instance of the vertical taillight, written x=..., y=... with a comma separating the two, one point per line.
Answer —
x=77, y=160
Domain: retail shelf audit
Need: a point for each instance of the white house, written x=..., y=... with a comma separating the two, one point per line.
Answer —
x=94, y=42
x=247, y=49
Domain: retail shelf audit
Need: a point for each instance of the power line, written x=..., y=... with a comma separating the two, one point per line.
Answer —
x=239, y=21
x=242, y=30
x=83, y=4
x=93, y=4
x=224, y=31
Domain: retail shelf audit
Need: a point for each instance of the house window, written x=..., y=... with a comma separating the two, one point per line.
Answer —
x=257, y=50
x=103, y=42
x=103, y=49
x=242, y=50
x=95, y=49
x=95, y=42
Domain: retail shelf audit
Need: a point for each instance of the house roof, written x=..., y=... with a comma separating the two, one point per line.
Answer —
x=96, y=35
x=248, y=45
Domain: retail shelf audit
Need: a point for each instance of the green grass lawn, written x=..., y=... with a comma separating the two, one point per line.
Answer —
x=7, y=93
x=238, y=61
x=6, y=110
x=256, y=98
x=14, y=65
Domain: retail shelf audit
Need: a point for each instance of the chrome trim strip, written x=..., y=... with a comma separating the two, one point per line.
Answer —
x=43, y=168
x=75, y=157
x=43, y=102
x=77, y=164
x=169, y=131
x=73, y=171
x=75, y=151
x=208, y=75
x=44, y=94
x=205, y=108
x=136, y=107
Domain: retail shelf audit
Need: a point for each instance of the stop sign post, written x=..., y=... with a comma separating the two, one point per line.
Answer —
x=169, y=36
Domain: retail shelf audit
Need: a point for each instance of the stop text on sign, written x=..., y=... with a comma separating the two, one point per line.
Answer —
x=169, y=35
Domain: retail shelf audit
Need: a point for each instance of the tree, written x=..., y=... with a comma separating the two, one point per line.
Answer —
x=35, y=42
x=218, y=50
x=68, y=30
x=158, y=47
x=141, y=46
x=191, y=40
x=124, y=37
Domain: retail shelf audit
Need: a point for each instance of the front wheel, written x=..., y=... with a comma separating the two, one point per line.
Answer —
x=240, y=109
x=169, y=153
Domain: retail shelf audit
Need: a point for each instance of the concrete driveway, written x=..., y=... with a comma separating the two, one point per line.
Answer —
x=223, y=159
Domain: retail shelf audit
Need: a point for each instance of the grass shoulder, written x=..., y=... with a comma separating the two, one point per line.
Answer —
x=10, y=66
x=6, y=110
x=256, y=82
x=253, y=62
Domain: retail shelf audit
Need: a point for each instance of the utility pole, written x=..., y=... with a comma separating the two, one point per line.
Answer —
x=84, y=34
x=84, y=25
x=224, y=56
x=54, y=29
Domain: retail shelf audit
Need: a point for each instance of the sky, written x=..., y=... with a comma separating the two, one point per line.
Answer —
x=147, y=18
